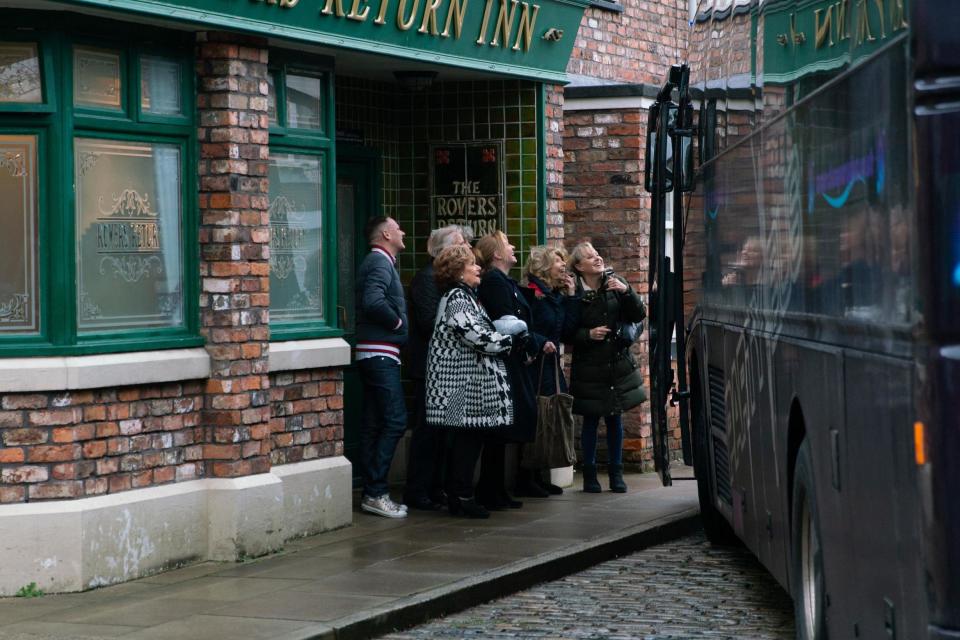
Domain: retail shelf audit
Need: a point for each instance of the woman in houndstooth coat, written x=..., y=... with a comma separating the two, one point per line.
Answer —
x=467, y=386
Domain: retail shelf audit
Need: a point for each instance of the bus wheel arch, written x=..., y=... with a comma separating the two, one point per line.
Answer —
x=806, y=551
x=796, y=434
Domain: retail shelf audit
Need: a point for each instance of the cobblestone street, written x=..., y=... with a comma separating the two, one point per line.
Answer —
x=684, y=589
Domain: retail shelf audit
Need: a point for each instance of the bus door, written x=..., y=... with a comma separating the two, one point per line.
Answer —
x=669, y=127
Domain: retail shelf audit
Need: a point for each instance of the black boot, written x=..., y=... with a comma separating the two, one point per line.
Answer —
x=615, y=472
x=467, y=506
x=590, y=482
x=527, y=486
x=541, y=477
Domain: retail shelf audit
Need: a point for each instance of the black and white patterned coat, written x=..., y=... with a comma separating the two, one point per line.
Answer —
x=467, y=384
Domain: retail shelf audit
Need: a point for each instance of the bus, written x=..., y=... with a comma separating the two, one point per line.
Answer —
x=811, y=153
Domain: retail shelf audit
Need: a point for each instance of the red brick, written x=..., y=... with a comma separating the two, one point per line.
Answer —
x=119, y=483
x=25, y=473
x=25, y=436
x=74, y=434
x=53, y=417
x=13, y=494
x=53, y=453
x=13, y=455
x=34, y=401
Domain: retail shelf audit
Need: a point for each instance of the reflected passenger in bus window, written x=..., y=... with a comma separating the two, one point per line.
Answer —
x=860, y=267
x=745, y=270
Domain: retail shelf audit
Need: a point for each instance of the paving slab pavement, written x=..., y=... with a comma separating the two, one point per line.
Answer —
x=372, y=577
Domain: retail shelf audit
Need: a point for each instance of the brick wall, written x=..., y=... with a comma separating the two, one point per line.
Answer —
x=554, y=154
x=637, y=45
x=234, y=251
x=307, y=415
x=87, y=443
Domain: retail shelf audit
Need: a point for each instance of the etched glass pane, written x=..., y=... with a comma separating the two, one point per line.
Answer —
x=96, y=78
x=129, y=238
x=272, y=98
x=296, y=188
x=19, y=285
x=303, y=102
x=20, y=72
x=160, y=86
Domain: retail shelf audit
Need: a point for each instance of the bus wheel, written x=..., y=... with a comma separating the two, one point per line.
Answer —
x=809, y=591
x=715, y=526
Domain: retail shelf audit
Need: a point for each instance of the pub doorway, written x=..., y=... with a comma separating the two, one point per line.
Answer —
x=358, y=200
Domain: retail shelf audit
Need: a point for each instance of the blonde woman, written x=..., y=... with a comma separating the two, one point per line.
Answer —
x=604, y=379
x=554, y=315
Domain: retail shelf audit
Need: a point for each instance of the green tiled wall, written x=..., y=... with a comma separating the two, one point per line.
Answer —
x=402, y=124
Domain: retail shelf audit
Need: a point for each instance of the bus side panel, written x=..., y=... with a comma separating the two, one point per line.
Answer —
x=880, y=480
x=810, y=375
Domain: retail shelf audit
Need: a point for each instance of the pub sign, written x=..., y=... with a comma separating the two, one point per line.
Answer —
x=466, y=186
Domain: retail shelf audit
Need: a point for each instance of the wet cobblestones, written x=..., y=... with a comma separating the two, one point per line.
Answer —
x=683, y=589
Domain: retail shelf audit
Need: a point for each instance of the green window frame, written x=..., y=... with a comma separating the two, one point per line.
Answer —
x=306, y=139
x=147, y=235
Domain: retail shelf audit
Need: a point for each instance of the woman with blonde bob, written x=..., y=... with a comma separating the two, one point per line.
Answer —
x=604, y=379
x=555, y=313
x=467, y=387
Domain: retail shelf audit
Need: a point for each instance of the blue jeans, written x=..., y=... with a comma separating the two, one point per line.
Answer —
x=384, y=421
x=588, y=438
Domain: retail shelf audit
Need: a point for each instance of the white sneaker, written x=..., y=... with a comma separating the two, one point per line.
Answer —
x=382, y=506
x=400, y=506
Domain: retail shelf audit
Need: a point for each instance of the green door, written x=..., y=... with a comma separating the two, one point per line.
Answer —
x=358, y=180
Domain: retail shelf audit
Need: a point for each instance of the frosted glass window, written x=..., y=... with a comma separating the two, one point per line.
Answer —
x=19, y=286
x=96, y=78
x=296, y=234
x=20, y=79
x=304, y=109
x=272, y=98
x=129, y=235
x=160, y=86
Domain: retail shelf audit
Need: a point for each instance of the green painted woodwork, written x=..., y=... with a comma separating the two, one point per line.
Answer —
x=409, y=29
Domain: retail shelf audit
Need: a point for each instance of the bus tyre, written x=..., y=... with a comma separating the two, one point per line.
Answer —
x=715, y=526
x=809, y=590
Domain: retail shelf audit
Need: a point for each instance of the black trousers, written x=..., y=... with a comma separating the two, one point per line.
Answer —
x=428, y=448
x=465, y=447
x=493, y=470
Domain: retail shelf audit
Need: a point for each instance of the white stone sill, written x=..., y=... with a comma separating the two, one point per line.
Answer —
x=309, y=354
x=103, y=370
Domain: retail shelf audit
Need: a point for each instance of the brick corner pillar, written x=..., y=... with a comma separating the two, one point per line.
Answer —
x=234, y=251
x=554, y=156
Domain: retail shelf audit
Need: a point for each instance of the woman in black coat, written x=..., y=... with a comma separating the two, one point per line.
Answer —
x=555, y=312
x=501, y=296
x=605, y=379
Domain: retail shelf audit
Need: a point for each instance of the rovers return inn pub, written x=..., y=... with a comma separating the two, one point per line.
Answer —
x=183, y=185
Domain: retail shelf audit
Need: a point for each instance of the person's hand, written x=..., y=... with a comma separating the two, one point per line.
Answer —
x=567, y=284
x=616, y=285
x=599, y=333
x=549, y=347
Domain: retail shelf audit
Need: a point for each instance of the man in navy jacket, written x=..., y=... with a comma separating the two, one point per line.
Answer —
x=381, y=331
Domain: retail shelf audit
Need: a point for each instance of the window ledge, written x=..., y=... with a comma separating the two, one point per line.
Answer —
x=309, y=354
x=104, y=370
